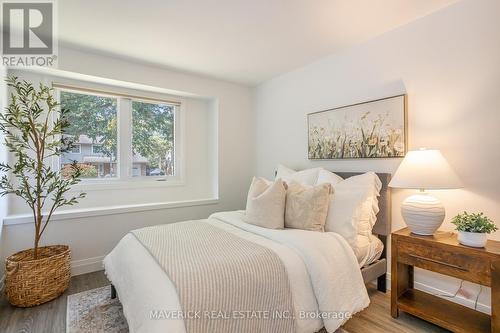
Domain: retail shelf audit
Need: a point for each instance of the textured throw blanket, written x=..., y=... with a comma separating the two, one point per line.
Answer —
x=224, y=283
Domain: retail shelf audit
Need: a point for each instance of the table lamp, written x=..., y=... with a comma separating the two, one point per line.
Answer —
x=424, y=170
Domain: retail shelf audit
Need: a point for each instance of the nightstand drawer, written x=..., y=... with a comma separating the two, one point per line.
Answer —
x=454, y=263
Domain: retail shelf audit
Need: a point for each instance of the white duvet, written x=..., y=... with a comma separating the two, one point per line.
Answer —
x=325, y=278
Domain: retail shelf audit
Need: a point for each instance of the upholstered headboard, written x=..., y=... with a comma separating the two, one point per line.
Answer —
x=383, y=225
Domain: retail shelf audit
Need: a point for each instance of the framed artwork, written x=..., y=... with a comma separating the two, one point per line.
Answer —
x=374, y=129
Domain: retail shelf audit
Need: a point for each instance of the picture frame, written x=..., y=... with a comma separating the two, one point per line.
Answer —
x=371, y=129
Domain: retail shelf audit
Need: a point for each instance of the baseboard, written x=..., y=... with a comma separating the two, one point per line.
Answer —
x=435, y=291
x=84, y=266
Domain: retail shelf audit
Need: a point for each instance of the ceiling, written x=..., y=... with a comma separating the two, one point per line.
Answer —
x=244, y=41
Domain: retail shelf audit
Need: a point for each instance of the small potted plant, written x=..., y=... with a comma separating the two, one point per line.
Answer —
x=33, y=125
x=473, y=229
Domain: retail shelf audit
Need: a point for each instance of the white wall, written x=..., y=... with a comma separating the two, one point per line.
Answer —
x=447, y=63
x=217, y=116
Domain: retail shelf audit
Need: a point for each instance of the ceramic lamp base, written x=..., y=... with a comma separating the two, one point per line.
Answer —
x=422, y=213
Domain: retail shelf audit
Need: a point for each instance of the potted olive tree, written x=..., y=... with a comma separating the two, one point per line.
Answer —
x=33, y=125
x=473, y=229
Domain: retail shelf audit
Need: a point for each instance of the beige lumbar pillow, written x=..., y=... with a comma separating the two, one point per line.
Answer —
x=307, y=206
x=266, y=203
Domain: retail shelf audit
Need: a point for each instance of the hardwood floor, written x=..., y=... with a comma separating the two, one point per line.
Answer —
x=377, y=318
x=51, y=317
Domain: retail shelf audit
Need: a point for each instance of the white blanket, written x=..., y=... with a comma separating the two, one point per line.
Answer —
x=323, y=271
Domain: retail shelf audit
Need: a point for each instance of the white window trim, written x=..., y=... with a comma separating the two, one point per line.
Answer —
x=124, y=179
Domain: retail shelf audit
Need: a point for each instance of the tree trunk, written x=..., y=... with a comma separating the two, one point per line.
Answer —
x=38, y=224
x=35, y=249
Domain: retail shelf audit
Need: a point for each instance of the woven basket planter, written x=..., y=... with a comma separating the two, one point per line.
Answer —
x=30, y=282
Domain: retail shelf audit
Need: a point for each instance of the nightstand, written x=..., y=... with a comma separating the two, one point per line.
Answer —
x=443, y=254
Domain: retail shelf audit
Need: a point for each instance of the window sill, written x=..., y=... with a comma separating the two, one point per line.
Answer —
x=109, y=210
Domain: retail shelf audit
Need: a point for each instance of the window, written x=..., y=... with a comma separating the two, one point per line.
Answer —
x=119, y=137
x=92, y=119
x=75, y=148
x=152, y=139
x=97, y=149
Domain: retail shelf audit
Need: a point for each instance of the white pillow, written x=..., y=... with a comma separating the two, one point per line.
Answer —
x=266, y=203
x=354, y=206
x=307, y=177
x=371, y=185
x=325, y=176
x=307, y=206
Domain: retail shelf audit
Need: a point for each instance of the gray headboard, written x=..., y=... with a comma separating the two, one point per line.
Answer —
x=383, y=225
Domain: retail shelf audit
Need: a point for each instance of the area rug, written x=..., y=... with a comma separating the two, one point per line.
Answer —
x=93, y=311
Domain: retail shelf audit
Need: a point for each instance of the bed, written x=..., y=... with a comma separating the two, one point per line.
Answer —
x=323, y=280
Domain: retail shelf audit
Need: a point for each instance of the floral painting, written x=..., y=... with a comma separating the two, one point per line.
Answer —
x=375, y=129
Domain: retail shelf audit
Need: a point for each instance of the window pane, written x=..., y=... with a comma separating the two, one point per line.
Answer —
x=152, y=139
x=93, y=122
x=97, y=149
x=76, y=148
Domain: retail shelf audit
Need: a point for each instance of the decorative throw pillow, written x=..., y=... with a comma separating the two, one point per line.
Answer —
x=354, y=207
x=308, y=176
x=307, y=206
x=266, y=203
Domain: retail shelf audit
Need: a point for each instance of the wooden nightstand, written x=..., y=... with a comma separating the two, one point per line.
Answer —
x=443, y=254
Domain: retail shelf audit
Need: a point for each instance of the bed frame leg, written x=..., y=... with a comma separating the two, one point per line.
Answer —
x=382, y=283
x=113, y=292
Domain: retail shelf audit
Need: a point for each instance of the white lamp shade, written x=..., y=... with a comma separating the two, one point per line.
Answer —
x=425, y=169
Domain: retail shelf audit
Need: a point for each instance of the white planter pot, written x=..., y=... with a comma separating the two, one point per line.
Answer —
x=474, y=239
